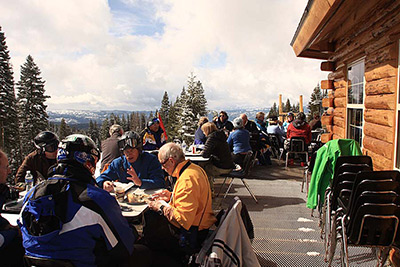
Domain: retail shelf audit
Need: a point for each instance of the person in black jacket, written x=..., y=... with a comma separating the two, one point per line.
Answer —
x=217, y=149
x=39, y=161
x=109, y=147
x=222, y=122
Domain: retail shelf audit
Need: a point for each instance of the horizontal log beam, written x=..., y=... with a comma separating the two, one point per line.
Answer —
x=380, y=163
x=327, y=84
x=327, y=66
x=380, y=102
x=379, y=132
x=327, y=102
x=379, y=147
x=380, y=117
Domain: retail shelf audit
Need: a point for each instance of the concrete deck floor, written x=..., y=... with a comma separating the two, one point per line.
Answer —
x=285, y=232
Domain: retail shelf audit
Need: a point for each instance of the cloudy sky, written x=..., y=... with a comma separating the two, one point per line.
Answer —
x=123, y=54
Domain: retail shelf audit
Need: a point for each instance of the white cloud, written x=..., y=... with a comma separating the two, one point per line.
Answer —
x=91, y=60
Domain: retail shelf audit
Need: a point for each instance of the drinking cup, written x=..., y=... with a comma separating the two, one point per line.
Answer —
x=119, y=193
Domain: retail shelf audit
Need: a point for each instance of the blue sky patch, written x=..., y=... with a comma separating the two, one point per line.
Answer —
x=214, y=60
x=135, y=18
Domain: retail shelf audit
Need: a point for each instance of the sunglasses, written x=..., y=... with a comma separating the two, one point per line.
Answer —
x=165, y=161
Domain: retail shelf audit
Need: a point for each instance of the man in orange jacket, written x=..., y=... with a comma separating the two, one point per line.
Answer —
x=186, y=213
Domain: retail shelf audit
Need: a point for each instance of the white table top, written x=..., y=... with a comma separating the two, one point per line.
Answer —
x=197, y=158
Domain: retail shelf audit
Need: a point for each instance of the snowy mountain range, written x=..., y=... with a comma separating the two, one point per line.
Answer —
x=75, y=117
x=84, y=116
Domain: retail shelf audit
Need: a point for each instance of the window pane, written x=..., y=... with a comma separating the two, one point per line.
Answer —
x=355, y=121
x=355, y=76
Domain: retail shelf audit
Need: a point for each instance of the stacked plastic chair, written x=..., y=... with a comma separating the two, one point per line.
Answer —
x=367, y=216
x=339, y=190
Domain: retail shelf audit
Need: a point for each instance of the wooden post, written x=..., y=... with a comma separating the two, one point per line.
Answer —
x=301, y=103
x=280, y=105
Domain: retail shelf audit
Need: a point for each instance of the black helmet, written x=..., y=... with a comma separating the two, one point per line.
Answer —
x=301, y=116
x=153, y=121
x=46, y=141
x=130, y=139
x=79, y=148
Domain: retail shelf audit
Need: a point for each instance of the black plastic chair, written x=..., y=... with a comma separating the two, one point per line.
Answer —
x=352, y=160
x=374, y=225
x=30, y=261
x=371, y=217
x=276, y=146
x=297, y=145
x=241, y=174
x=350, y=164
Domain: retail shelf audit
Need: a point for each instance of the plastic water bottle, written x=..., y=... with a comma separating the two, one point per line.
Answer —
x=28, y=180
x=184, y=146
x=214, y=261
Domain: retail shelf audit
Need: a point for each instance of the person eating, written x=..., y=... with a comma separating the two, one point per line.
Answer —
x=134, y=165
x=178, y=221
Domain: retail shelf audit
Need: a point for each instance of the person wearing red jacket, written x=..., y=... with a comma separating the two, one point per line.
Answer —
x=299, y=128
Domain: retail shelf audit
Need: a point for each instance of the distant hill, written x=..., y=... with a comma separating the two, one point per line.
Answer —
x=80, y=118
x=73, y=117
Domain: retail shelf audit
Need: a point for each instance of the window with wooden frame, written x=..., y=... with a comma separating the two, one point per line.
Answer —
x=355, y=100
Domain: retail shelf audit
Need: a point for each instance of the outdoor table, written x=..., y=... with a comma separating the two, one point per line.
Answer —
x=195, y=158
x=133, y=211
x=14, y=206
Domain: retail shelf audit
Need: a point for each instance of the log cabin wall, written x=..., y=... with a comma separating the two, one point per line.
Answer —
x=375, y=39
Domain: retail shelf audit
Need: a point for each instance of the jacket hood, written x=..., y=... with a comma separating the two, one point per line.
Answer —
x=298, y=123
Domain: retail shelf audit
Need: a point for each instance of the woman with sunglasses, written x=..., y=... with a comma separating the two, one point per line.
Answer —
x=39, y=161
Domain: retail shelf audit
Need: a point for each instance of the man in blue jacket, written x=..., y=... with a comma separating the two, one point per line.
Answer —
x=67, y=217
x=142, y=168
x=153, y=135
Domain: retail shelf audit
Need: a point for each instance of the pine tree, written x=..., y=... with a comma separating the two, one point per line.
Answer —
x=33, y=117
x=287, y=107
x=314, y=106
x=171, y=127
x=90, y=131
x=135, y=122
x=64, y=129
x=296, y=108
x=114, y=119
x=273, y=111
x=9, y=128
x=164, y=110
x=196, y=99
x=96, y=134
x=185, y=116
x=124, y=123
x=93, y=132
x=104, y=132
x=142, y=122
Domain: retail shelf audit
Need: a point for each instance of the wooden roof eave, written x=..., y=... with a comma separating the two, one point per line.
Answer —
x=304, y=42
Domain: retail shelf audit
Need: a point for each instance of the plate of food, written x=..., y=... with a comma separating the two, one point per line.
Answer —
x=137, y=198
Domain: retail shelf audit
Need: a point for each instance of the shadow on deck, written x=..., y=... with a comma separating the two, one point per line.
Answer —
x=285, y=232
